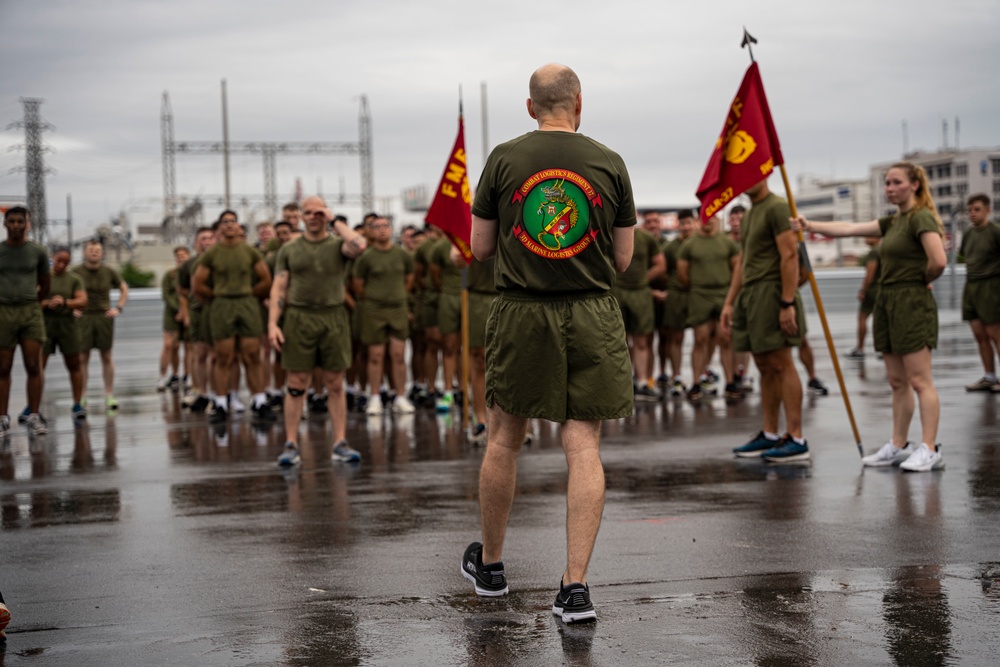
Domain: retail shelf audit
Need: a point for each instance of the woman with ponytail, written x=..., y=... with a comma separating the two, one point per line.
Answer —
x=905, y=316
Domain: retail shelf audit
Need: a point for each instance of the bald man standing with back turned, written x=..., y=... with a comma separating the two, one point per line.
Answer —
x=555, y=207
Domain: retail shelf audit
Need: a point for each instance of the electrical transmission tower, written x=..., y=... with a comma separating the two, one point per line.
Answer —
x=268, y=150
x=34, y=164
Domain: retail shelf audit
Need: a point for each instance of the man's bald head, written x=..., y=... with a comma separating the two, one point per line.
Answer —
x=554, y=89
x=313, y=202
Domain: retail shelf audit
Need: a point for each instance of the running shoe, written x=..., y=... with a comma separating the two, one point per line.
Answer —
x=188, y=382
x=110, y=402
x=374, y=405
x=982, y=384
x=573, y=604
x=36, y=424
x=289, y=456
x=200, y=404
x=787, y=450
x=856, y=354
x=477, y=435
x=708, y=387
x=344, y=453
x=174, y=383
x=677, y=388
x=445, y=403
x=401, y=405
x=318, y=404
x=79, y=412
x=733, y=391
x=161, y=385
x=647, y=393
x=817, y=388
x=695, y=393
x=713, y=376
x=663, y=380
x=996, y=388
x=924, y=459
x=361, y=403
x=488, y=579
x=219, y=415
x=888, y=455
x=4, y=426
x=263, y=412
x=22, y=416
x=758, y=444
x=235, y=404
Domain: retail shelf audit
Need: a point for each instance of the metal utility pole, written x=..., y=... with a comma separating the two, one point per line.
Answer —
x=365, y=145
x=34, y=164
x=169, y=165
x=485, y=114
x=225, y=142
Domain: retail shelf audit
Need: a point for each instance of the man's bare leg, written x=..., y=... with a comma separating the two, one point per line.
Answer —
x=584, y=495
x=336, y=402
x=498, y=477
x=108, y=368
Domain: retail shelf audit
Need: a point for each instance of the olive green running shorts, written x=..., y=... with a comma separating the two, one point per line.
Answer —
x=199, y=331
x=705, y=304
x=449, y=315
x=96, y=332
x=637, y=309
x=981, y=300
x=316, y=339
x=868, y=303
x=232, y=317
x=558, y=358
x=427, y=309
x=355, y=317
x=905, y=319
x=675, y=309
x=755, y=319
x=479, y=312
x=379, y=322
x=19, y=323
x=62, y=333
x=169, y=323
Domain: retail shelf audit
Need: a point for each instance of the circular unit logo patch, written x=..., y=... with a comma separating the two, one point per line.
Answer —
x=555, y=214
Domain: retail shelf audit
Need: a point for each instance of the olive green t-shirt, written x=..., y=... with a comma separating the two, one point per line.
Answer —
x=232, y=268
x=981, y=250
x=644, y=248
x=904, y=261
x=65, y=285
x=481, y=278
x=557, y=197
x=184, y=281
x=98, y=283
x=671, y=251
x=761, y=226
x=384, y=273
x=451, y=275
x=315, y=272
x=20, y=267
x=422, y=256
x=168, y=289
x=708, y=259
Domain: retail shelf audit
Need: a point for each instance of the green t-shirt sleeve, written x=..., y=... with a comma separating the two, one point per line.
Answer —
x=281, y=259
x=43, y=261
x=116, y=279
x=485, y=204
x=408, y=262
x=780, y=218
x=883, y=223
x=626, y=207
x=360, y=268
x=923, y=221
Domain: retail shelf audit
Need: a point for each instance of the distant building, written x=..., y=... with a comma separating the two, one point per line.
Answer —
x=953, y=175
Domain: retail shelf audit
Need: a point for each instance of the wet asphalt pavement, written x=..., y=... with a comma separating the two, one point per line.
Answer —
x=149, y=538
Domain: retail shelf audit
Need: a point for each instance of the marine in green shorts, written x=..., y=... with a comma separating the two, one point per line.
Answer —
x=981, y=296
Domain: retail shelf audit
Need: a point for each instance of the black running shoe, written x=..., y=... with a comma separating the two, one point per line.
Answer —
x=218, y=416
x=573, y=604
x=200, y=404
x=489, y=579
x=264, y=413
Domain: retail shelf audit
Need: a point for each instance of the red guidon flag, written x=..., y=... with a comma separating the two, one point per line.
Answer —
x=451, y=209
x=746, y=151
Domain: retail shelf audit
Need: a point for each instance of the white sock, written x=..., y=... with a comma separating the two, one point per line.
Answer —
x=222, y=402
x=259, y=399
x=992, y=377
x=771, y=436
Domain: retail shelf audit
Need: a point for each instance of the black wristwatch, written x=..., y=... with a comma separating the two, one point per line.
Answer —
x=786, y=304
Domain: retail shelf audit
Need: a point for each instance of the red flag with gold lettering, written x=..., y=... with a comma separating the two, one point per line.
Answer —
x=746, y=151
x=451, y=208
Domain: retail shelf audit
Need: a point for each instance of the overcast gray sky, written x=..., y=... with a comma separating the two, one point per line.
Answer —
x=657, y=80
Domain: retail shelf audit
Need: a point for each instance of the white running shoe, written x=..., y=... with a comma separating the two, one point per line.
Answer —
x=402, y=405
x=374, y=405
x=889, y=455
x=36, y=425
x=235, y=404
x=924, y=459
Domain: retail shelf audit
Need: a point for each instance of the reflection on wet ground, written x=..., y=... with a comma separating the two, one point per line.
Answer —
x=151, y=533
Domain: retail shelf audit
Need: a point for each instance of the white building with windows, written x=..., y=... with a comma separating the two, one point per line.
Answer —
x=954, y=175
x=834, y=199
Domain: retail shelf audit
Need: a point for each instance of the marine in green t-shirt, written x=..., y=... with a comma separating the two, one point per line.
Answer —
x=316, y=272
x=904, y=260
x=384, y=274
x=981, y=295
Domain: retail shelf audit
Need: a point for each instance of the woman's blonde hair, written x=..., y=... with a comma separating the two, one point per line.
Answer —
x=916, y=174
